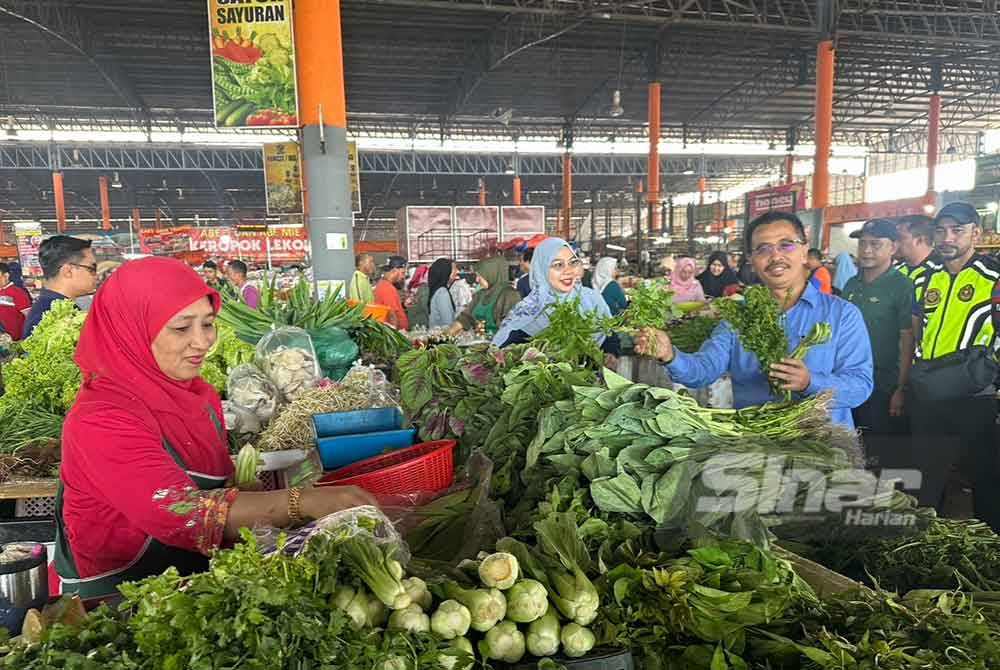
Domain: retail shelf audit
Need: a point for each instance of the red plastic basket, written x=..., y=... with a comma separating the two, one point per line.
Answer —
x=428, y=466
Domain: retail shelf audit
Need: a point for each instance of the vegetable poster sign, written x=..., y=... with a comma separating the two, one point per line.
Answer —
x=283, y=178
x=29, y=239
x=253, y=63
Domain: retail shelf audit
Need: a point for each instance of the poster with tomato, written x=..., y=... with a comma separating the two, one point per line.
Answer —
x=253, y=63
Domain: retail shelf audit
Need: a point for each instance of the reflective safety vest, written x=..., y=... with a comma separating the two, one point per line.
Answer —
x=957, y=309
x=919, y=274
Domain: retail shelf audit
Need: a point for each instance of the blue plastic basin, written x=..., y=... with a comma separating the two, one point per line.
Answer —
x=341, y=450
x=358, y=421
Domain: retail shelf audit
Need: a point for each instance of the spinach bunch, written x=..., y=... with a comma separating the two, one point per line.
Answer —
x=650, y=306
x=688, y=335
x=571, y=332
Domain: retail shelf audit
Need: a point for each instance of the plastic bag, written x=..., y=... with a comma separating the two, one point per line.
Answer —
x=335, y=351
x=366, y=520
x=383, y=392
x=248, y=387
x=288, y=357
x=239, y=420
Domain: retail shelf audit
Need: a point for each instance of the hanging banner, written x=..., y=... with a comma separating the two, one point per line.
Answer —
x=287, y=244
x=253, y=63
x=784, y=198
x=29, y=238
x=283, y=178
x=354, y=174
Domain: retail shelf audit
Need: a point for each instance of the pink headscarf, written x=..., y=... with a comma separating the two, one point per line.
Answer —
x=689, y=290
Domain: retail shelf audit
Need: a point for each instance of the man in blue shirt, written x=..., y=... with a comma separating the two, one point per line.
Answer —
x=776, y=243
x=70, y=270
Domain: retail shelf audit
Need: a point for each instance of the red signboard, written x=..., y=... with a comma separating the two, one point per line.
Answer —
x=288, y=244
x=784, y=198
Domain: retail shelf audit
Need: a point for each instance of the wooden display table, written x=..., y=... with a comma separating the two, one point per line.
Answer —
x=15, y=489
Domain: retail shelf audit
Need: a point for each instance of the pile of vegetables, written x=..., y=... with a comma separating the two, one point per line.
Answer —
x=650, y=306
x=643, y=450
x=303, y=309
x=758, y=321
x=571, y=332
x=40, y=386
x=689, y=334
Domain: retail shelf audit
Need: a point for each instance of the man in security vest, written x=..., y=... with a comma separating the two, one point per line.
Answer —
x=916, y=250
x=955, y=356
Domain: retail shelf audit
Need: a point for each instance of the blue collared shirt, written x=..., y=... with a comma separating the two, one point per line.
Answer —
x=843, y=365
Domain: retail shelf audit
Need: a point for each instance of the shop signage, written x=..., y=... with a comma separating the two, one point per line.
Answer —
x=784, y=198
x=988, y=170
x=29, y=238
x=284, y=244
x=283, y=178
x=354, y=174
x=253, y=63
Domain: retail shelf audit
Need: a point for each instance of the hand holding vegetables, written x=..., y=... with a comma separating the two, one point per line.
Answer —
x=655, y=344
x=792, y=374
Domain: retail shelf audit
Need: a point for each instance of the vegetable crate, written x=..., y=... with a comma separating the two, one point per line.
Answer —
x=423, y=467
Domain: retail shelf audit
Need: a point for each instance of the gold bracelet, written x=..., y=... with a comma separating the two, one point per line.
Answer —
x=294, y=506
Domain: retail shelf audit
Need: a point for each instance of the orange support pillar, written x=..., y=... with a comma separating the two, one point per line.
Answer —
x=653, y=165
x=702, y=187
x=319, y=65
x=517, y=191
x=60, y=200
x=136, y=220
x=567, y=195
x=824, y=130
x=102, y=185
x=156, y=221
x=933, y=135
x=482, y=192
x=789, y=168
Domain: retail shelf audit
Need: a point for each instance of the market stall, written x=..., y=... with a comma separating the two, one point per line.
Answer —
x=536, y=510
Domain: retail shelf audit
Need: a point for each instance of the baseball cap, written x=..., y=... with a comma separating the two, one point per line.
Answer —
x=962, y=212
x=395, y=262
x=878, y=228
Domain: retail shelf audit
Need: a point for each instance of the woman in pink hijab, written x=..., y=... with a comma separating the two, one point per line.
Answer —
x=684, y=283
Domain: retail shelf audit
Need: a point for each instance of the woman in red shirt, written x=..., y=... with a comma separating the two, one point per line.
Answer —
x=145, y=476
x=14, y=304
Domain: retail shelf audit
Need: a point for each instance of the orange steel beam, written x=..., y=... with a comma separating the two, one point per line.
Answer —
x=567, y=194
x=102, y=186
x=156, y=221
x=60, y=200
x=136, y=219
x=320, y=62
x=933, y=135
x=653, y=165
x=516, y=191
x=702, y=187
x=482, y=192
x=824, y=130
x=789, y=168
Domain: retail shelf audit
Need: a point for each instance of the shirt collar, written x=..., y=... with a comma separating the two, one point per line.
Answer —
x=810, y=295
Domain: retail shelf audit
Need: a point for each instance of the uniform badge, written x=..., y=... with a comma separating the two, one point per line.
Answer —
x=932, y=297
x=966, y=293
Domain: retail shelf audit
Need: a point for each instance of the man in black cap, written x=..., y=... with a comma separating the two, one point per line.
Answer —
x=953, y=395
x=885, y=298
x=387, y=291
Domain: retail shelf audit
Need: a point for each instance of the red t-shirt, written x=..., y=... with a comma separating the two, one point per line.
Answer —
x=12, y=301
x=387, y=295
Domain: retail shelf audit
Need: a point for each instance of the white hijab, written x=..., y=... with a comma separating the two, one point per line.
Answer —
x=604, y=273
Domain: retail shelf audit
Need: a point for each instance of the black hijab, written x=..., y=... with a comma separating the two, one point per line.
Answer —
x=715, y=287
x=438, y=277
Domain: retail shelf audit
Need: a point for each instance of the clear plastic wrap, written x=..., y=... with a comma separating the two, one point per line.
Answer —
x=239, y=420
x=289, y=359
x=366, y=520
x=248, y=387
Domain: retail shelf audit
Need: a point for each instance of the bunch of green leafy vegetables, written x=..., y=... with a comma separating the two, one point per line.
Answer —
x=247, y=611
x=227, y=352
x=758, y=321
x=571, y=332
x=272, y=83
x=46, y=377
x=650, y=306
x=643, y=451
x=689, y=334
